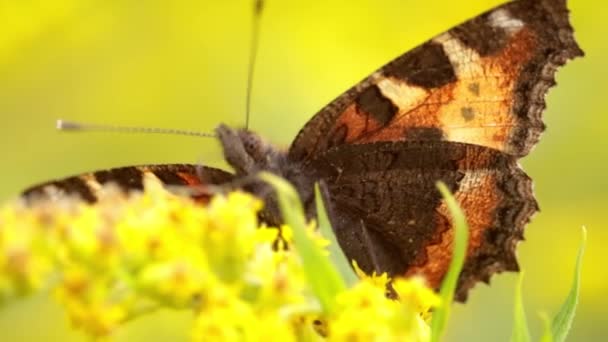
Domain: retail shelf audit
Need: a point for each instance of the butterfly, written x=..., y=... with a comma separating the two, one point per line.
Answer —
x=461, y=108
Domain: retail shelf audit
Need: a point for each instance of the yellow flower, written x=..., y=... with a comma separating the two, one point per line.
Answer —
x=414, y=292
x=381, y=280
x=177, y=283
x=229, y=238
x=92, y=302
x=24, y=264
x=115, y=260
x=366, y=314
x=226, y=317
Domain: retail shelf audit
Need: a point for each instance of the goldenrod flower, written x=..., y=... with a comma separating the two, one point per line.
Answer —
x=24, y=261
x=416, y=294
x=366, y=314
x=127, y=255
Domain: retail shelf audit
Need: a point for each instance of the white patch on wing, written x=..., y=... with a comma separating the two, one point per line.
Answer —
x=464, y=60
x=91, y=182
x=501, y=18
x=53, y=193
x=149, y=175
x=401, y=94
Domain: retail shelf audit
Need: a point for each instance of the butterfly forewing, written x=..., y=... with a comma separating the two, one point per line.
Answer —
x=482, y=82
x=131, y=178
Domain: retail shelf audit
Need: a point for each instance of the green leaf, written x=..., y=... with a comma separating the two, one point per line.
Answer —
x=547, y=333
x=461, y=237
x=324, y=279
x=520, y=333
x=562, y=322
x=335, y=252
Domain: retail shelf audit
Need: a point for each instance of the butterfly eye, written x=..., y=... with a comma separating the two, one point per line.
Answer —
x=251, y=143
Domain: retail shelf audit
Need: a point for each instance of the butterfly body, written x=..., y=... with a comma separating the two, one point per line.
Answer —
x=461, y=108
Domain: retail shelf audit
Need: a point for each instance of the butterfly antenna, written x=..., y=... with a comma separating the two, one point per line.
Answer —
x=255, y=34
x=71, y=126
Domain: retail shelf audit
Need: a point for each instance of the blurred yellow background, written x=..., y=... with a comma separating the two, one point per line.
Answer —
x=183, y=64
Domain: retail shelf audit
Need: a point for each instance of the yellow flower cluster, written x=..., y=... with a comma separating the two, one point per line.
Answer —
x=128, y=255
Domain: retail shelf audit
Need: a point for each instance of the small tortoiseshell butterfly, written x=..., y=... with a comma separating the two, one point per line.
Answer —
x=461, y=108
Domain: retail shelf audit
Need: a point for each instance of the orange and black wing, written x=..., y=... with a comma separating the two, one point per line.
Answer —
x=460, y=108
x=388, y=215
x=482, y=82
x=131, y=178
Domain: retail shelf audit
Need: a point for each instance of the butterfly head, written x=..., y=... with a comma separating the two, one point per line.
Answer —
x=247, y=152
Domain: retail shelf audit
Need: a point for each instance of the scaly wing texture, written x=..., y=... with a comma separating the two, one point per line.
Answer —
x=482, y=82
x=130, y=178
x=389, y=216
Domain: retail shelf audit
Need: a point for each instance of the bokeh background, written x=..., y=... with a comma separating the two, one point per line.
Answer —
x=183, y=64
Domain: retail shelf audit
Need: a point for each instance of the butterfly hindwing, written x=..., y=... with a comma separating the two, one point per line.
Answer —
x=384, y=201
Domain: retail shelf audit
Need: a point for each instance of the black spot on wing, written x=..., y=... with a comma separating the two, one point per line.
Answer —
x=71, y=186
x=169, y=176
x=467, y=113
x=478, y=35
x=377, y=105
x=474, y=88
x=127, y=178
x=425, y=66
x=77, y=185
